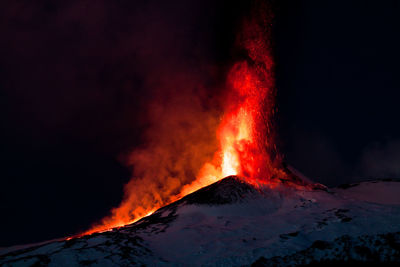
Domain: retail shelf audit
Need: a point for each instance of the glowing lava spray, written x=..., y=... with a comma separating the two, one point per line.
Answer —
x=245, y=143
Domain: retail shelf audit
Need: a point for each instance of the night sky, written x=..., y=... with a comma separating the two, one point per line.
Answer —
x=76, y=77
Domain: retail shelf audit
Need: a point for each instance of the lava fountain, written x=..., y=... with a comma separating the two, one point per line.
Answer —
x=245, y=136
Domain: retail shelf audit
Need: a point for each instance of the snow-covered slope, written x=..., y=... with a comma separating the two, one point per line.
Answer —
x=230, y=223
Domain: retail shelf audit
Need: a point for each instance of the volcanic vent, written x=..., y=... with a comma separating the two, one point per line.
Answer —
x=229, y=190
x=239, y=206
x=241, y=140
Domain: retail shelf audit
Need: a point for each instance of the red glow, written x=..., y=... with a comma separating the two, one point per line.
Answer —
x=246, y=145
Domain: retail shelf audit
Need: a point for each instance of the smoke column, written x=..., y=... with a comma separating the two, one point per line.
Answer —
x=190, y=143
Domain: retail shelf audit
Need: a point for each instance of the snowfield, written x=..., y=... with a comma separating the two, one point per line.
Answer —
x=230, y=223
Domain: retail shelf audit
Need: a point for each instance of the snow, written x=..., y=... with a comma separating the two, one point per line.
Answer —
x=386, y=193
x=279, y=225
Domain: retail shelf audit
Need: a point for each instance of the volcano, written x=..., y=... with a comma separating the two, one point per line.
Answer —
x=234, y=223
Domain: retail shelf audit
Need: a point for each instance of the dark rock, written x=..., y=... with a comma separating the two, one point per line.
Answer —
x=231, y=189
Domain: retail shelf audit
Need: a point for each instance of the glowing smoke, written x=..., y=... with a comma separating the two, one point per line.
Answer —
x=190, y=143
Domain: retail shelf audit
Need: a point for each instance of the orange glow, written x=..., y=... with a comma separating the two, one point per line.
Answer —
x=245, y=146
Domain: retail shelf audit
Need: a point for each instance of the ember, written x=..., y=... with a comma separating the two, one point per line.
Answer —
x=245, y=146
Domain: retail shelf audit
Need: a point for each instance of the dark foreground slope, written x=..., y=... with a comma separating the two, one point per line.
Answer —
x=231, y=223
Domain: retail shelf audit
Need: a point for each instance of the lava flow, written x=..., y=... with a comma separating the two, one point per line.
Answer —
x=246, y=146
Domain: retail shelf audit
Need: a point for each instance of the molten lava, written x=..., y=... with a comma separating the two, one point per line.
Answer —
x=246, y=146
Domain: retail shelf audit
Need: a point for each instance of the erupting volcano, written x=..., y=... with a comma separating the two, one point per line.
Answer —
x=210, y=188
x=245, y=136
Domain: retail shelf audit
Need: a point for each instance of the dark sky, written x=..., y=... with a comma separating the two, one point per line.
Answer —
x=75, y=77
x=338, y=88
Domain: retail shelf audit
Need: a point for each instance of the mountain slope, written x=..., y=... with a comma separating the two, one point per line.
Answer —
x=231, y=223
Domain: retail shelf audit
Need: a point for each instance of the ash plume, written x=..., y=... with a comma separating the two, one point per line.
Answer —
x=189, y=142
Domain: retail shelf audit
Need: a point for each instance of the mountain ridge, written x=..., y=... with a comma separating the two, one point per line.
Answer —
x=233, y=223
